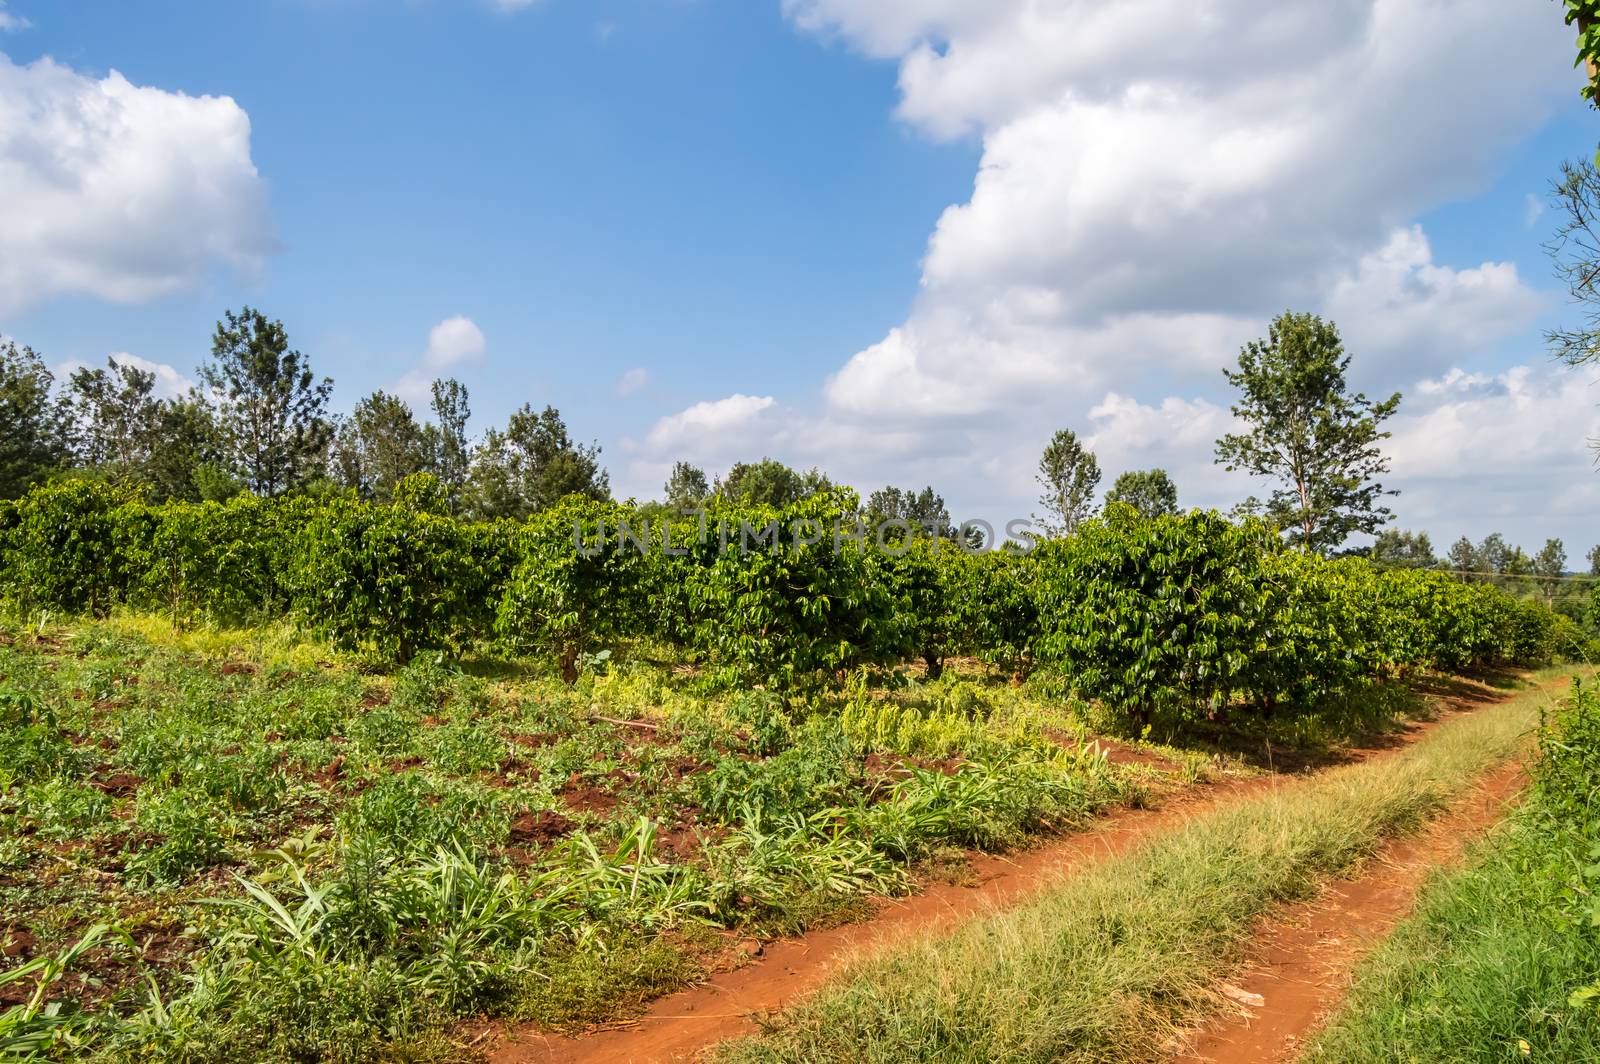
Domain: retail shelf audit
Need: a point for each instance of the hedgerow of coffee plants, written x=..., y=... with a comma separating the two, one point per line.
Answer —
x=1184, y=614
x=1157, y=615
x=575, y=584
x=793, y=600
x=385, y=574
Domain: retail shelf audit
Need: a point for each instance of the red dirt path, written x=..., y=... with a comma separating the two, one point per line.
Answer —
x=681, y=1026
x=1304, y=957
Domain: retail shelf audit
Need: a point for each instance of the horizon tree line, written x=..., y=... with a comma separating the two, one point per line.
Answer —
x=260, y=422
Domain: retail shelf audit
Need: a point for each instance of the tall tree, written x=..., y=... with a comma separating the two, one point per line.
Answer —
x=114, y=418
x=1150, y=491
x=1575, y=251
x=271, y=409
x=687, y=486
x=1309, y=433
x=533, y=464
x=770, y=482
x=1405, y=550
x=1463, y=556
x=924, y=510
x=187, y=458
x=1594, y=560
x=379, y=445
x=1551, y=560
x=32, y=424
x=1069, y=474
x=448, y=439
x=1494, y=554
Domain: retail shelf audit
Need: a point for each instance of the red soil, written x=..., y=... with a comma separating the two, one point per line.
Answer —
x=1302, y=959
x=681, y=1026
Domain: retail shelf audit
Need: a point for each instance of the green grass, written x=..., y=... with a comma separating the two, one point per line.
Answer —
x=1112, y=963
x=314, y=860
x=1487, y=967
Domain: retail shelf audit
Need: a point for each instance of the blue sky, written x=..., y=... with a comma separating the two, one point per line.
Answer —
x=901, y=240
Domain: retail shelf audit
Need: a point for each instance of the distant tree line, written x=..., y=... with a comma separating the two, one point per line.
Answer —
x=259, y=422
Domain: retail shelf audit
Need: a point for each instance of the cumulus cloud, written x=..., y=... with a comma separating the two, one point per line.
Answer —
x=709, y=427
x=1149, y=162
x=1157, y=179
x=633, y=382
x=1399, y=309
x=120, y=191
x=453, y=341
x=11, y=22
x=1499, y=452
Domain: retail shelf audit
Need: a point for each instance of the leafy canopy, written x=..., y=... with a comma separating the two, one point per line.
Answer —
x=1309, y=434
x=1069, y=474
x=33, y=442
x=270, y=406
x=1151, y=492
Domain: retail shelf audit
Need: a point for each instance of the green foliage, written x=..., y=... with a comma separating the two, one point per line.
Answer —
x=1404, y=550
x=210, y=561
x=379, y=445
x=787, y=605
x=1499, y=960
x=686, y=486
x=1315, y=440
x=770, y=483
x=385, y=575
x=271, y=410
x=1156, y=615
x=1069, y=474
x=533, y=465
x=1586, y=14
x=63, y=550
x=577, y=581
x=34, y=441
x=997, y=610
x=1149, y=491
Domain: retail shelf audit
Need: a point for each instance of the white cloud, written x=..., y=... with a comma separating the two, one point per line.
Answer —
x=1399, y=309
x=11, y=22
x=169, y=382
x=633, y=382
x=1533, y=208
x=1158, y=178
x=450, y=343
x=1471, y=453
x=123, y=192
x=709, y=427
x=453, y=340
x=1502, y=452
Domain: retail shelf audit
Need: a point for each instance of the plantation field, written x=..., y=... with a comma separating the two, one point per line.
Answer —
x=302, y=857
x=311, y=858
x=321, y=779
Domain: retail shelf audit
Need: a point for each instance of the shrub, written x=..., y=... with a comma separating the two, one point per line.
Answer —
x=396, y=578
x=782, y=611
x=63, y=552
x=575, y=584
x=1163, y=614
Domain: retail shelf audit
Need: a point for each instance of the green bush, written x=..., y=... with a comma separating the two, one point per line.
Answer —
x=398, y=579
x=796, y=606
x=1157, y=615
x=63, y=552
x=576, y=585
